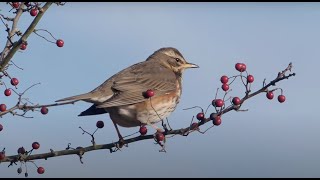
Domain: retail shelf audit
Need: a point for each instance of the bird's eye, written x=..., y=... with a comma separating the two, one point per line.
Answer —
x=178, y=60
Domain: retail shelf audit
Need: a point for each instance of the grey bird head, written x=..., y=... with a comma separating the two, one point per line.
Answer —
x=172, y=59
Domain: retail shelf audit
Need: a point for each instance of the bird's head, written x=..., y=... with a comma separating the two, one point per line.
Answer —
x=172, y=59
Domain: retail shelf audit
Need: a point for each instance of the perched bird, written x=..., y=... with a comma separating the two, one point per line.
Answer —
x=122, y=94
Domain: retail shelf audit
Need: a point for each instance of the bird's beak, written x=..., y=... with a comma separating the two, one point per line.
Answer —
x=191, y=65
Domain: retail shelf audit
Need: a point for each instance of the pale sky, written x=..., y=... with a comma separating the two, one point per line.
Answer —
x=270, y=140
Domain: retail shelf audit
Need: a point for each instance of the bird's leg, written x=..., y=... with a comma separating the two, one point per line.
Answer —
x=121, y=140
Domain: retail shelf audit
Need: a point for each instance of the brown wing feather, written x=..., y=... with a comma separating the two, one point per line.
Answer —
x=128, y=88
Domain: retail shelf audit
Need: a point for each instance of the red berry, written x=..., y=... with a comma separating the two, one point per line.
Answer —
x=15, y=5
x=100, y=124
x=40, y=170
x=218, y=102
x=14, y=81
x=34, y=12
x=281, y=98
x=217, y=121
x=3, y=107
x=200, y=116
x=35, y=145
x=21, y=150
x=7, y=92
x=2, y=156
x=143, y=130
x=240, y=67
x=44, y=110
x=60, y=43
x=149, y=93
x=194, y=126
x=224, y=79
x=225, y=87
x=236, y=101
x=23, y=46
x=244, y=67
x=250, y=79
x=1, y=127
x=159, y=136
x=270, y=95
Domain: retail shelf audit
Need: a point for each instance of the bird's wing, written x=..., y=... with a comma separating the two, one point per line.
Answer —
x=128, y=87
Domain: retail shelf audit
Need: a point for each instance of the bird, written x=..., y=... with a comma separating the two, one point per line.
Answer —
x=122, y=95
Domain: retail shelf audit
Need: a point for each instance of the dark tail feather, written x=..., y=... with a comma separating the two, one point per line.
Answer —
x=93, y=110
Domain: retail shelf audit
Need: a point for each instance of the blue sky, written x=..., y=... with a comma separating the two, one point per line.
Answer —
x=270, y=140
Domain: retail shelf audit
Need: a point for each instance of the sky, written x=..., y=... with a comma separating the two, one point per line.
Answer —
x=271, y=139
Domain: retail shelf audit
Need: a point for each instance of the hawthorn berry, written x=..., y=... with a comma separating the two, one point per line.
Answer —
x=217, y=121
x=236, y=100
x=149, y=93
x=270, y=95
x=1, y=127
x=34, y=12
x=250, y=79
x=44, y=110
x=217, y=102
x=100, y=124
x=241, y=67
x=200, y=116
x=281, y=98
x=143, y=130
x=159, y=136
x=35, y=145
x=15, y=5
x=7, y=92
x=23, y=46
x=40, y=170
x=224, y=79
x=225, y=87
x=14, y=81
x=60, y=43
x=3, y=107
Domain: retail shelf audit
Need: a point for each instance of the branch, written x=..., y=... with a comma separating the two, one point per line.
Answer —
x=184, y=131
x=25, y=36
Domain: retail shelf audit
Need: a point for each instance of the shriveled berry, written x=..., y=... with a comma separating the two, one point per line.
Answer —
x=19, y=170
x=1, y=127
x=21, y=150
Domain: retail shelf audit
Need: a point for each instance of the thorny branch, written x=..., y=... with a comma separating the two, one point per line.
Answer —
x=183, y=131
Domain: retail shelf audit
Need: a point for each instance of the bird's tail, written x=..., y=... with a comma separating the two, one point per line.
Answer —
x=93, y=110
x=76, y=98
